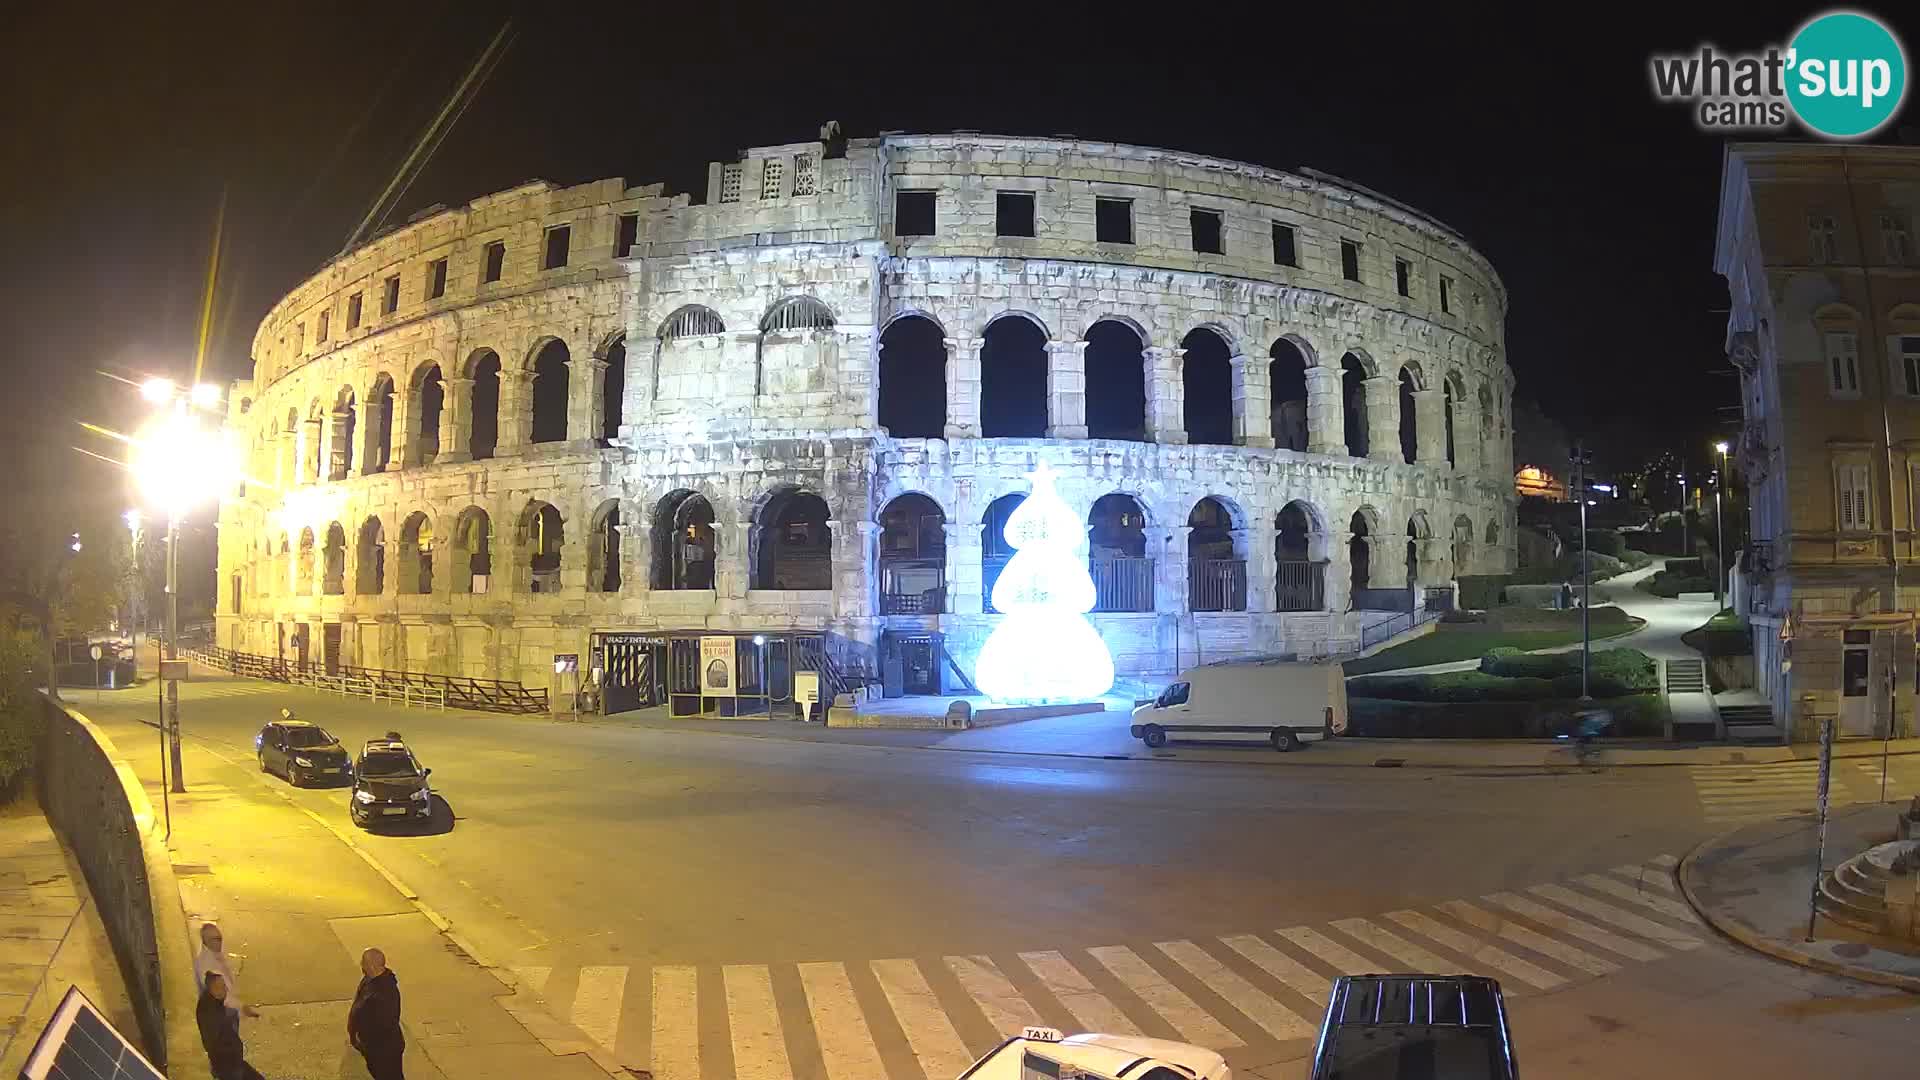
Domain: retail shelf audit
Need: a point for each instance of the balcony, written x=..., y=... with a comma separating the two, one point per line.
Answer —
x=1217, y=585
x=912, y=587
x=1123, y=584
x=1300, y=586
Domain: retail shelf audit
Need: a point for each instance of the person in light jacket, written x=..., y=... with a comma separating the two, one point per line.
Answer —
x=373, y=1021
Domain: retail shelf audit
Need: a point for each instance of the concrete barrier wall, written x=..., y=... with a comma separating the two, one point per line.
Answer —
x=101, y=812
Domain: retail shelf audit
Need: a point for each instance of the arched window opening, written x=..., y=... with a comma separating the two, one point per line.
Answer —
x=485, y=421
x=432, y=393
x=691, y=321
x=1487, y=428
x=1417, y=531
x=1353, y=403
x=1013, y=380
x=613, y=391
x=1287, y=385
x=415, y=564
x=1116, y=382
x=1207, y=379
x=370, y=560
x=1216, y=564
x=795, y=543
x=303, y=568
x=1117, y=555
x=333, y=581
x=603, y=557
x=683, y=542
x=1300, y=580
x=1462, y=545
x=379, y=451
x=913, y=379
x=994, y=549
x=314, y=434
x=550, y=393
x=913, y=557
x=786, y=331
x=1493, y=534
x=543, y=535
x=673, y=366
x=1360, y=556
x=472, y=561
x=340, y=436
x=797, y=314
x=1447, y=405
x=1409, y=420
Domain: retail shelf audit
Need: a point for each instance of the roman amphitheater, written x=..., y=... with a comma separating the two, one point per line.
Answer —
x=606, y=422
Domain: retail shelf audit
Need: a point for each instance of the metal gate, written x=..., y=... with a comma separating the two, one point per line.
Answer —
x=331, y=647
x=631, y=670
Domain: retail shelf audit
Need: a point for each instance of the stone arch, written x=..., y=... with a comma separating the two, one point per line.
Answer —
x=603, y=548
x=1013, y=377
x=690, y=320
x=1117, y=555
x=483, y=418
x=549, y=364
x=1116, y=379
x=378, y=452
x=995, y=552
x=914, y=313
x=1493, y=534
x=912, y=555
x=613, y=388
x=341, y=422
x=414, y=566
x=913, y=378
x=792, y=542
x=1409, y=381
x=1418, y=530
x=1488, y=425
x=333, y=576
x=1362, y=528
x=792, y=320
x=1354, y=373
x=303, y=566
x=1455, y=388
x=1216, y=556
x=1288, y=359
x=427, y=389
x=1300, y=557
x=1462, y=545
x=370, y=558
x=684, y=544
x=472, y=562
x=1206, y=375
x=541, y=533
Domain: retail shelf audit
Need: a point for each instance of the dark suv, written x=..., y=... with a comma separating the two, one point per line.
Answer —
x=302, y=752
x=389, y=785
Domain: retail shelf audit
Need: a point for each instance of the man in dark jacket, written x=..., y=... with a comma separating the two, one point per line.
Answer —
x=220, y=1032
x=373, y=1023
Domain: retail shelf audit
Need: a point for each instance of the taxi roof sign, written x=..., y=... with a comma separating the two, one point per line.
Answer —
x=1042, y=1034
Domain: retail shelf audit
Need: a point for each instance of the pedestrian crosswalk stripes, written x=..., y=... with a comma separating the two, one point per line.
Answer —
x=1729, y=794
x=931, y=1016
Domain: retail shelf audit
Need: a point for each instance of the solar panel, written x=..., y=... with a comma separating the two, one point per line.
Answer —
x=79, y=1043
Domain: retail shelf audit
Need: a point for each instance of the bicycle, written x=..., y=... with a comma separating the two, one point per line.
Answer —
x=1586, y=725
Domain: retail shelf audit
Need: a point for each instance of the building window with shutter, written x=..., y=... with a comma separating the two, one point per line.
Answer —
x=770, y=174
x=730, y=183
x=1909, y=349
x=1856, y=497
x=803, y=174
x=1820, y=233
x=1843, y=363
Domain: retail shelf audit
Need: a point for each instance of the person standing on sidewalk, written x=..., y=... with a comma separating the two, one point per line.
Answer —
x=373, y=1022
x=213, y=959
x=220, y=1032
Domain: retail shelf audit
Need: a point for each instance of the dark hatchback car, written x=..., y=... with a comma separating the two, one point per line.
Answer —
x=389, y=786
x=302, y=752
x=1415, y=1027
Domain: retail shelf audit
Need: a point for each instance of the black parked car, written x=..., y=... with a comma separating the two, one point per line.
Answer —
x=389, y=784
x=302, y=752
x=1415, y=1027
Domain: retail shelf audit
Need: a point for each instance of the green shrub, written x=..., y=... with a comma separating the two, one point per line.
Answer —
x=1483, y=591
x=20, y=717
x=1686, y=567
x=1634, y=715
x=1606, y=542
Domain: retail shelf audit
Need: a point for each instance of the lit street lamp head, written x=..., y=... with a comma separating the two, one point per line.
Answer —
x=178, y=464
x=1720, y=447
x=157, y=390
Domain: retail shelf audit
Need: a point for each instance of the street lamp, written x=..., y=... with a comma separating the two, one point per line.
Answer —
x=1582, y=458
x=1719, y=528
x=177, y=464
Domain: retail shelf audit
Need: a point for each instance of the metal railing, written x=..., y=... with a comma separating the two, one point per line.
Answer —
x=1124, y=584
x=1387, y=629
x=1217, y=585
x=379, y=684
x=898, y=600
x=1300, y=586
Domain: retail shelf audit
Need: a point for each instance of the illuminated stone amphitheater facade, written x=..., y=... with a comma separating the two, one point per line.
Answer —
x=491, y=435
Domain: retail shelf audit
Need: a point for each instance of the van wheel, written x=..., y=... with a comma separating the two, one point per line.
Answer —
x=1285, y=741
x=1154, y=737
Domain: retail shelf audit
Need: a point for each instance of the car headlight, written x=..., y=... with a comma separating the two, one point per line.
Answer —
x=421, y=795
x=305, y=763
x=363, y=796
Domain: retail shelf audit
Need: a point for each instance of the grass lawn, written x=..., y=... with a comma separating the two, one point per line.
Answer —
x=1470, y=641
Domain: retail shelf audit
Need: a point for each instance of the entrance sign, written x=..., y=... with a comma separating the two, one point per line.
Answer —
x=566, y=662
x=806, y=689
x=716, y=666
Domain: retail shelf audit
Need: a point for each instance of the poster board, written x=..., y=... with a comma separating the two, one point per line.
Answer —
x=806, y=690
x=717, y=675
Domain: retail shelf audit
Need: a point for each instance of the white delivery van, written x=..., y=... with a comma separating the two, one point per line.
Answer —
x=1283, y=702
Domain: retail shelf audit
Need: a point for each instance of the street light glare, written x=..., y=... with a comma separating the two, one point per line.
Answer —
x=1720, y=447
x=177, y=463
x=132, y=518
x=157, y=390
x=206, y=395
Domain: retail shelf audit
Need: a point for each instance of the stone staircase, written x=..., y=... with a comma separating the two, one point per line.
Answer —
x=1751, y=724
x=1686, y=676
x=1855, y=892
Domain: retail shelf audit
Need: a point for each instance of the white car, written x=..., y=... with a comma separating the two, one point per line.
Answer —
x=1042, y=1053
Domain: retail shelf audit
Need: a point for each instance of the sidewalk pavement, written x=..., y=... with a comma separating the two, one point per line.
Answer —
x=298, y=900
x=1755, y=884
x=51, y=936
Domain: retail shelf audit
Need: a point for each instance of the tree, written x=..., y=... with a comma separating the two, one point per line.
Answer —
x=61, y=570
x=1044, y=649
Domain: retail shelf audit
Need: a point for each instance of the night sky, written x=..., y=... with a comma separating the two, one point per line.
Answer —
x=1596, y=205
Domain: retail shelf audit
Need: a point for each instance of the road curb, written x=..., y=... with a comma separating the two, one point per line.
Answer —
x=1740, y=933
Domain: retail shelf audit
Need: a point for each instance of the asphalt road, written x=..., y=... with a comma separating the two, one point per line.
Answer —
x=629, y=872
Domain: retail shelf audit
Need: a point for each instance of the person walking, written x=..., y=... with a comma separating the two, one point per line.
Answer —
x=213, y=959
x=373, y=1022
x=220, y=1032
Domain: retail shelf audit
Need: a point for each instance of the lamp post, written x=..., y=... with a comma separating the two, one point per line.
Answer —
x=1719, y=529
x=1583, y=457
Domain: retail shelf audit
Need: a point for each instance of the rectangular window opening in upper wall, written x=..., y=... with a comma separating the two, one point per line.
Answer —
x=1284, y=251
x=730, y=183
x=1446, y=294
x=559, y=239
x=1208, y=232
x=495, y=262
x=772, y=172
x=353, y=312
x=1350, y=259
x=1013, y=213
x=323, y=328
x=1113, y=221
x=390, y=298
x=913, y=213
x=1403, y=277
x=1909, y=345
x=437, y=279
x=629, y=235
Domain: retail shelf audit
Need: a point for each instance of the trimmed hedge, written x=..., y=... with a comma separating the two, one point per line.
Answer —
x=1482, y=591
x=1610, y=672
x=1634, y=715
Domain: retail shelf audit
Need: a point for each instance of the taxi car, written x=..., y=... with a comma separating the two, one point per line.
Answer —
x=389, y=786
x=1042, y=1052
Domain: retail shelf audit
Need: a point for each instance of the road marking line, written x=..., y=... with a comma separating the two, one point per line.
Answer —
x=929, y=1032
x=1274, y=1018
x=1585, y=931
x=596, y=1003
x=1383, y=940
x=1343, y=959
x=1478, y=951
x=1672, y=909
x=1073, y=990
x=846, y=1045
x=1625, y=920
x=1298, y=977
x=753, y=1019
x=1192, y=1022
x=533, y=979
x=1494, y=924
x=676, y=1023
x=1655, y=877
x=1005, y=1009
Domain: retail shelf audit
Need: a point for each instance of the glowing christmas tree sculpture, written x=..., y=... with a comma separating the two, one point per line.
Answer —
x=1045, y=650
